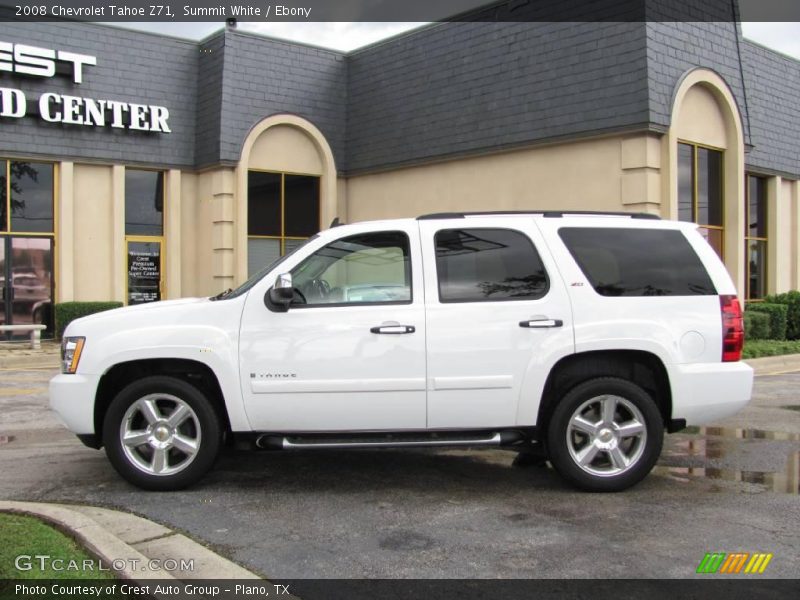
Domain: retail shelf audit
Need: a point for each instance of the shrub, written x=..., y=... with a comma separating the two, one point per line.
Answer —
x=756, y=325
x=792, y=301
x=759, y=348
x=777, y=314
x=66, y=312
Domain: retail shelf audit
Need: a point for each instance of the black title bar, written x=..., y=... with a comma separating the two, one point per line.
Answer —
x=401, y=10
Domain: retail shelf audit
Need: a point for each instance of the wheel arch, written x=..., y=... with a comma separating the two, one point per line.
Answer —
x=195, y=373
x=641, y=367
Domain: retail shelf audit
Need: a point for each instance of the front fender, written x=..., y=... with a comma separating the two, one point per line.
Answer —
x=210, y=346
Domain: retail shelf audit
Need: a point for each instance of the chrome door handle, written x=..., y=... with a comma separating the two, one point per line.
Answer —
x=541, y=323
x=393, y=329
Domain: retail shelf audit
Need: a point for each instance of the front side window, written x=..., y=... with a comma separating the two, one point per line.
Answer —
x=282, y=212
x=637, y=262
x=700, y=196
x=480, y=265
x=755, y=237
x=366, y=268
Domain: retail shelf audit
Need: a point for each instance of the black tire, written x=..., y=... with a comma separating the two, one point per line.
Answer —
x=201, y=426
x=564, y=442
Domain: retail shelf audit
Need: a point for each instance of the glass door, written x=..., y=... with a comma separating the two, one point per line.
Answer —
x=145, y=272
x=27, y=282
x=4, y=284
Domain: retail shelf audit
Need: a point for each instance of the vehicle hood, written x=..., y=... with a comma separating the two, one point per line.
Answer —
x=179, y=313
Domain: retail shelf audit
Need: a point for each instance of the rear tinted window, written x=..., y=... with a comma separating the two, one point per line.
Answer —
x=637, y=262
x=478, y=265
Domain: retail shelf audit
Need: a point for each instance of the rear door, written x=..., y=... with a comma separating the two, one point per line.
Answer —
x=498, y=317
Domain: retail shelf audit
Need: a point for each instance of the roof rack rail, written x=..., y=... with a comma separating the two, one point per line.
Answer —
x=545, y=213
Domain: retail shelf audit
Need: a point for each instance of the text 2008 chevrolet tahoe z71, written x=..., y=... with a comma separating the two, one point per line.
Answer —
x=584, y=336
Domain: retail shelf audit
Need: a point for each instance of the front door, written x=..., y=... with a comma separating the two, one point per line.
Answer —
x=496, y=312
x=26, y=282
x=349, y=354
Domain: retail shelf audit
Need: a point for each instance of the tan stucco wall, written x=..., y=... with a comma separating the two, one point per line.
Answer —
x=700, y=119
x=198, y=250
x=285, y=148
x=93, y=233
x=585, y=175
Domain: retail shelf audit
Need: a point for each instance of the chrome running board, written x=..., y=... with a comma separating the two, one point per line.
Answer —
x=298, y=442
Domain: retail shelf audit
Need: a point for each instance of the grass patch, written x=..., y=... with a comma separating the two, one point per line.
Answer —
x=23, y=535
x=759, y=348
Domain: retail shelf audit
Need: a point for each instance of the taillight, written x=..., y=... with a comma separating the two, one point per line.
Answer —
x=732, y=328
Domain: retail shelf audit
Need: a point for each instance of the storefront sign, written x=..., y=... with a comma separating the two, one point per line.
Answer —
x=144, y=272
x=64, y=108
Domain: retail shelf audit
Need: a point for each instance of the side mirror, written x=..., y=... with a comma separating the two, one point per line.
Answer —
x=282, y=292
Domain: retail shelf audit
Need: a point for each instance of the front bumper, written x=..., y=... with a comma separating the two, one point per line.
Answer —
x=707, y=392
x=72, y=398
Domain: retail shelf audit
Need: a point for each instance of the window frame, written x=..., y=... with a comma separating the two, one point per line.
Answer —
x=282, y=238
x=160, y=239
x=293, y=306
x=750, y=238
x=695, y=146
x=482, y=300
x=54, y=199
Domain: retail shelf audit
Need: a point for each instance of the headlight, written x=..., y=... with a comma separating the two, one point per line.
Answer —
x=71, y=348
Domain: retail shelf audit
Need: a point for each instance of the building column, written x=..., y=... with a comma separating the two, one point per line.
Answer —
x=119, y=263
x=641, y=174
x=778, y=242
x=223, y=188
x=734, y=216
x=65, y=233
x=172, y=234
x=794, y=247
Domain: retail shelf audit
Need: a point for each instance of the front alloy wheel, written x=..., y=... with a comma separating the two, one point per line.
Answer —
x=605, y=435
x=161, y=433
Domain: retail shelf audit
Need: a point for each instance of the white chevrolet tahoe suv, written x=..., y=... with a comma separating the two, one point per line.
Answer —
x=580, y=337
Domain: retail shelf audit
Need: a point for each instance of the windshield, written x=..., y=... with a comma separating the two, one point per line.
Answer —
x=255, y=278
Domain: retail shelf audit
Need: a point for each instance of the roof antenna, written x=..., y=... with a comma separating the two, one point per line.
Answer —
x=335, y=223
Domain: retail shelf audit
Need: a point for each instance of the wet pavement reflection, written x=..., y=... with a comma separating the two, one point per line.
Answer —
x=696, y=453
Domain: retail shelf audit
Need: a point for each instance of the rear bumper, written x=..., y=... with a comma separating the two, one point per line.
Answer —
x=705, y=393
x=72, y=398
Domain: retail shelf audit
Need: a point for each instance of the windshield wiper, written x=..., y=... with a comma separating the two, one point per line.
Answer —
x=221, y=295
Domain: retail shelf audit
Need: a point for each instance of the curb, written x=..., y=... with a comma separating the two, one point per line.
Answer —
x=775, y=365
x=130, y=542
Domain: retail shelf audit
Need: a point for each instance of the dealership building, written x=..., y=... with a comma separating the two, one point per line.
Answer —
x=137, y=167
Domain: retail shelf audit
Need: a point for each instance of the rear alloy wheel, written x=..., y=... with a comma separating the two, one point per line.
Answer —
x=161, y=433
x=605, y=435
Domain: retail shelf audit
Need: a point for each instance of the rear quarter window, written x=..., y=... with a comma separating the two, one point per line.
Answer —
x=637, y=262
